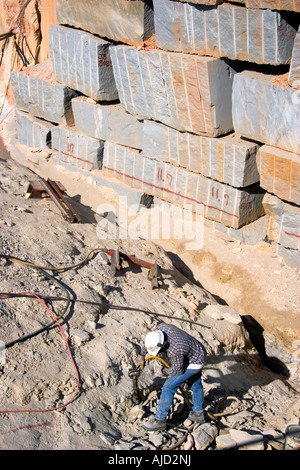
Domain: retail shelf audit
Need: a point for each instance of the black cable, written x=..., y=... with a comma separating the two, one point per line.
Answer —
x=104, y=304
x=47, y=326
x=22, y=55
x=6, y=35
x=7, y=295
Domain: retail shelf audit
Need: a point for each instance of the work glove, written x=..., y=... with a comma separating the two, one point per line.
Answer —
x=162, y=372
x=140, y=362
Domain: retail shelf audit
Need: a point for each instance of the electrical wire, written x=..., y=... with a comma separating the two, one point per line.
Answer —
x=6, y=295
x=45, y=327
x=72, y=360
x=44, y=269
x=49, y=268
x=55, y=322
x=18, y=50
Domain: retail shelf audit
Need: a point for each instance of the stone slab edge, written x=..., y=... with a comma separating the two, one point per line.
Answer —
x=107, y=122
x=77, y=149
x=220, y=202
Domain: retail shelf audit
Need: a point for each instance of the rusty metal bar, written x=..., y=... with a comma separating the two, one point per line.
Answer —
x=115, y=260
x=54, y=191
x=137, y=395
x=73, y=215
x=36, y=190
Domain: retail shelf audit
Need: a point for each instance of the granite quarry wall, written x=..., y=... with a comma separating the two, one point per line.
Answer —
x=192, y=102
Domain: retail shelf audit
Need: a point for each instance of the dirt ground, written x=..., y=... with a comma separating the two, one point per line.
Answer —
x=252, y=279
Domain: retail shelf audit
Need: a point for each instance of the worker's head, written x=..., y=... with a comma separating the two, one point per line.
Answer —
x=154, y=342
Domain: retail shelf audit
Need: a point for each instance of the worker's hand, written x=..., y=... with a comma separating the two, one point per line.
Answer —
x=140, y=362
x=162, y=372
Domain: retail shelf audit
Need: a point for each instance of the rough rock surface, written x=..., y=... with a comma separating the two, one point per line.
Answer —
x=120, y=20
x=192, y=93
x=279, y=173
x=253, y=35
x=284, y=222
x=255, y=98
x=82, y=61
x=30, y=20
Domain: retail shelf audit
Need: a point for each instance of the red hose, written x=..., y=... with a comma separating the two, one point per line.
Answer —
x=72, y=360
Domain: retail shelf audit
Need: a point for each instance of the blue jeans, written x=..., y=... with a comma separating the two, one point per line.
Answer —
x=193, y=378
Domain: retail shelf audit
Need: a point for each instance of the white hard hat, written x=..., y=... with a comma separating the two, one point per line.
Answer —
x=154, y=341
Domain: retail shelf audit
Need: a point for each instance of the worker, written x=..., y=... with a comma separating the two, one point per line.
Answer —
x=186, y=357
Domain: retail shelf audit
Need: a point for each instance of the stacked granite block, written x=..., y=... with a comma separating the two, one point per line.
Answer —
x=44, y=118
x=107, y=122
x=228, y=205
x=259, y=36
x=77, y=149
x=266, y=109
x=82, y=61
x=284, y=222
x=38, y=93
x=80, y=49
x=186, y=92
x=280, y=173
x=227, y=159
x=33, y=132
x=201, y=116
x=119, y=20
x=288, y=5
x=185, y=100
x=294, y=73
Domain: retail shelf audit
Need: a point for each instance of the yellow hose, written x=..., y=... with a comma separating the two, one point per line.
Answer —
x=159, y=358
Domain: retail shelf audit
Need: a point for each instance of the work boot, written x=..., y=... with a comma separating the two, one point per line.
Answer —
x=155, y=424
x=197, y=417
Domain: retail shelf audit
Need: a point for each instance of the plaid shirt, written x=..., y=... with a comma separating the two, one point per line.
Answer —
x=183, y=349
